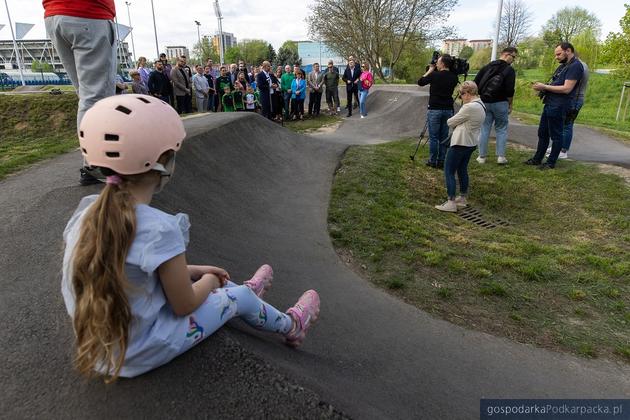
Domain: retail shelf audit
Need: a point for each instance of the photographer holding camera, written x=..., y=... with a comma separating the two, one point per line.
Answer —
x=557, y=97
x=442, y=83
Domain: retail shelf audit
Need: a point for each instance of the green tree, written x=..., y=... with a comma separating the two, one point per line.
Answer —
x=466, y=52
x=571, y=21
x=271, y=53
x=378, y=31
x=202, y=52
x=616, y=49
x=232, y=55
x=587, y=48
x=254, y=51
x=480, y=58
x=532, y=53
x=39, y=66
x=288, y=54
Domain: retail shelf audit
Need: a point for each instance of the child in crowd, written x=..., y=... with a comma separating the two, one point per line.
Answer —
x=251, y=104
x=135, y=302
x=227, y=100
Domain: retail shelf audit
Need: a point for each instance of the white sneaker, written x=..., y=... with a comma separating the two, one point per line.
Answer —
x=448, y=206
x=548, y=150
x=362, y=116
x=338, y=109
x=481, y=160
x=461, y=202
x=501, y=160
x=563, y=155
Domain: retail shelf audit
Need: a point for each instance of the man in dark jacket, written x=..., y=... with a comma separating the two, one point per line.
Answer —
x=443, y=82
x=496, y=82
x=265, y=84
x=158, y=84
x=351, y=77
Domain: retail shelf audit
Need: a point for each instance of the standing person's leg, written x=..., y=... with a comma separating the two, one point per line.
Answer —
x=336, y=98
x=355, y=89
x=445, y=115
x=433, y=119
x=567, y=134
x=501, y=120
x=362, y=99
x=451, y=164
x=462, y=169
x=486, y=127
x=311, y=102
x=556, y=116
x=87, y=48
x=301, y=107
x=180, y=104
x=349, y=94
x=329, y=100
x=318, y=103
x=543, y=138
x=287, y=103
x=188, y=104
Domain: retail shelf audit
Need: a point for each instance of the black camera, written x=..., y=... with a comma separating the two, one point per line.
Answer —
x=459, y=66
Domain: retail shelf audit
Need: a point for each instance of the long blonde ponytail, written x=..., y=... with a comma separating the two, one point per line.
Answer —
x=102, y=314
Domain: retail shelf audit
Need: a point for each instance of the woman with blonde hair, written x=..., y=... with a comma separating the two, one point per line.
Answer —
x=142, y=69
x=466, y=125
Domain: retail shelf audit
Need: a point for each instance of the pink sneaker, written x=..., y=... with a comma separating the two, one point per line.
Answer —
x=304, y=313
x=261, y=280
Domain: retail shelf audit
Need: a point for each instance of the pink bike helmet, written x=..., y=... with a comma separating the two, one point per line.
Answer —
x=128, y=133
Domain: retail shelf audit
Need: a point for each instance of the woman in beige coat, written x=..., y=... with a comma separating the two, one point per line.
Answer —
x=466, y=125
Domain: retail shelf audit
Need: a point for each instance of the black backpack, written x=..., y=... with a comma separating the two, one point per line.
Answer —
x=492, y=82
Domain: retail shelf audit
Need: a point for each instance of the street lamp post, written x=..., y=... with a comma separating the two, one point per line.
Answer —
x=199, y=39
x=133, y=45
x=495, y=43
x=157, y=48
x=217, y=12
x=17, y=52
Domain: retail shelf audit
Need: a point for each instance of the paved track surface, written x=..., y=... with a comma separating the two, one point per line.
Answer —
x=257, y=193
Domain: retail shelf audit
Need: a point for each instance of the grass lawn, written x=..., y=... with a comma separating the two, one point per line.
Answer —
x=600, y=106
x=558, y=276
x=35, y=127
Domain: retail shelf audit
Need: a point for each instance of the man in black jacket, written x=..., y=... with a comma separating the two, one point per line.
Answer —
x=496, y=89
x=443, y=82
x=264, y=83
x=351, y=77
x=159, y=85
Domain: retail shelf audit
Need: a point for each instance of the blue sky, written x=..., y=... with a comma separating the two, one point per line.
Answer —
x=279, y=20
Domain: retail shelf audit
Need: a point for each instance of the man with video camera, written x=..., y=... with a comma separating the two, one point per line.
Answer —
x=442, y=81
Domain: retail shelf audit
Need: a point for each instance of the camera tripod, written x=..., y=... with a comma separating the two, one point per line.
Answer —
x=446, y=141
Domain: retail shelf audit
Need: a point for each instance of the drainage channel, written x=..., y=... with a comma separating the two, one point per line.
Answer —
x=473, y=215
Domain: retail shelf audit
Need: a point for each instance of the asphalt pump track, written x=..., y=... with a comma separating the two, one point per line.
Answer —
x=257, y=193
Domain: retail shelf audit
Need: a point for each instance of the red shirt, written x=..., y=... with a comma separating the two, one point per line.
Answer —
x=90, y=9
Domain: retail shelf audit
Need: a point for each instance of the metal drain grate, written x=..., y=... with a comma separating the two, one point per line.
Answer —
x=475, y=216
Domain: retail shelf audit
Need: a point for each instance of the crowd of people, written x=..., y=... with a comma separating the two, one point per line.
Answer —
x=278, y=95
x=487, y=102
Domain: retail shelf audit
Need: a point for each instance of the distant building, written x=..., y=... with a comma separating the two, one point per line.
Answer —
x=42, y=50
x=479, y=44
x=453, y=46
x=229, y=41
x=176, y=51
x=317, y=52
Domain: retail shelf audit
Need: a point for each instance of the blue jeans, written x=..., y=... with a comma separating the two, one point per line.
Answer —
x=550, y=127
x=567, y=133
x=457, y=160
x=362, y=99
x=438, y=132
x=496, y=113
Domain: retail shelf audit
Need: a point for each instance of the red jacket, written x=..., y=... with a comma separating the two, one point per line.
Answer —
x=90, y=9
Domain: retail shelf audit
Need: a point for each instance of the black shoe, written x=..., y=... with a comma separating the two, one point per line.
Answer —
x=431, y=164
x=87, y=178
x=349, y=115
x=440, y=164
x=532, y=162
x=546, y=166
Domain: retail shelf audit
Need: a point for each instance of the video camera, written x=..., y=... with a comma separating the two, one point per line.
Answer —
x=460, y=65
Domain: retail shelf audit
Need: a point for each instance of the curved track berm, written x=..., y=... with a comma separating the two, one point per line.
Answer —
x=258, y=193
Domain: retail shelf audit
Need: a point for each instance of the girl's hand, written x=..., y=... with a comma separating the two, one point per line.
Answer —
x=197, y=271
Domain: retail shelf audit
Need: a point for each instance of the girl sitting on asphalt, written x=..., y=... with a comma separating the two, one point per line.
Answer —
x=135, y=302
x=466, y=125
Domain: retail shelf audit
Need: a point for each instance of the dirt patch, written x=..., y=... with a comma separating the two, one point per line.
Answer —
x=57, y=119
x=325, y=129
x=615, y=170
x=22, y=125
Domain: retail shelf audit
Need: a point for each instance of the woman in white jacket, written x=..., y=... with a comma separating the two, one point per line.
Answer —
x=466, y=125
